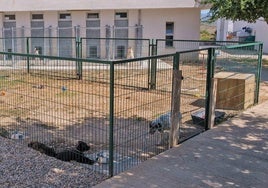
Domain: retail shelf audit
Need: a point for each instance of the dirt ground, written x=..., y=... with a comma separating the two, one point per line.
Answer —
x=59, y=111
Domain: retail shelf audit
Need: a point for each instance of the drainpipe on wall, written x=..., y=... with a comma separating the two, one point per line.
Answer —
x=139, y=17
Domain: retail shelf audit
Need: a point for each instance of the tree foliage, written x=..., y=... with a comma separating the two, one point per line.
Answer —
x=246, y=10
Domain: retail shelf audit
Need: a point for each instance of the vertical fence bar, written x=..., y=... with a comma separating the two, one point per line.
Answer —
x=78, y=62
x=149, y=63
x=111, y=114
x=175, y=102
x=256, y=100
x=210, y=75
x=28, y=52
x=153, y=67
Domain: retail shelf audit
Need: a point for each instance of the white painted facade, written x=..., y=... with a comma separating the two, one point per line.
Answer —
x=65, y=5
x=151, y=15
x=260, y=30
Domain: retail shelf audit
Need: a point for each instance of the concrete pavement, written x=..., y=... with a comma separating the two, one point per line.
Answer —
x=233, y=154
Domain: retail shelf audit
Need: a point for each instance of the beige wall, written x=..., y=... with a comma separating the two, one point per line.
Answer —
x=186, y=23
x=45, y=5
x=1, y=24
x=1, y=33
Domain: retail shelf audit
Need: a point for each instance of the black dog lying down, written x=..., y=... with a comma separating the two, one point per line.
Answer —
x=65, y=155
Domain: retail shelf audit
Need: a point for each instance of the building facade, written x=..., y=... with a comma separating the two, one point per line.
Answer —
x=95, y=21
x=259, y=30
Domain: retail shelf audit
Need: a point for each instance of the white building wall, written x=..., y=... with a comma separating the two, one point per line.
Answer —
x=222, y=29
x=51, y=19
x=1, y=31
x=260, y=30
x=44, y=5
x=79, y=18
x=186, y=22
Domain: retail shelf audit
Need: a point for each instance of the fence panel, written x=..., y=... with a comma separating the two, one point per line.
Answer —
x=185, y=45
x=237, y=71
x=136, y=107
x=194, y=66
x=115, y=48
x=115, y=106
x=48, y=106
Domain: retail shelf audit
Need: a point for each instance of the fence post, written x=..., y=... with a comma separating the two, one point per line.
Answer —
x=210, y=75
x=28, y=52
x=256, y=100
x=111, y=121
x=153, y=66
x=78, y=62
x=175, y=116
x=212, y=103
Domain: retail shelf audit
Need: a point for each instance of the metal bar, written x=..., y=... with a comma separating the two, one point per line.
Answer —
x=210, y=71
x=57, y=58
x=243, y=45
x=28, y=52
x=111, y=114
x=153, y=68
x=259, y=67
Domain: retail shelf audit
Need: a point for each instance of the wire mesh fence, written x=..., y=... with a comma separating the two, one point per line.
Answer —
x=109, y=108
x=115, y=48
x=116, y=106
x=237, y=71
x=61, y=41
x=71, y=47
x=172, y=46
x=135, y=106
x=193, y=65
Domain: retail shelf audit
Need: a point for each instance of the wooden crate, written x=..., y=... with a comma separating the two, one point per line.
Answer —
x=235, y=91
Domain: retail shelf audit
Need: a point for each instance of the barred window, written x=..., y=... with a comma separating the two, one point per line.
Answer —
x=121, y=15
x=10, y=17
x=65, y=16
x=93, y=16
x=37, y=16
x=169, y=34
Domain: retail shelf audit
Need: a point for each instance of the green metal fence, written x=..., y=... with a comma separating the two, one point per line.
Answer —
x=93, y=48
x=110, y=104
x=171, y=46
x=109, y=107
x=237, y=69
x=51, y=46
x=114, y=48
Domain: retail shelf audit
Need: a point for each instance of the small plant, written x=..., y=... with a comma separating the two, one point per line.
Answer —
x=205, y=35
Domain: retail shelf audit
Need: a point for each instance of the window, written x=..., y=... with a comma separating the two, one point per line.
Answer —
x=121, y=51
x=169, y=34
x=120, y=15
x=65, y=16
x=10, y=17
x=93, y=52
x=93, y=16
x=37, y=17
